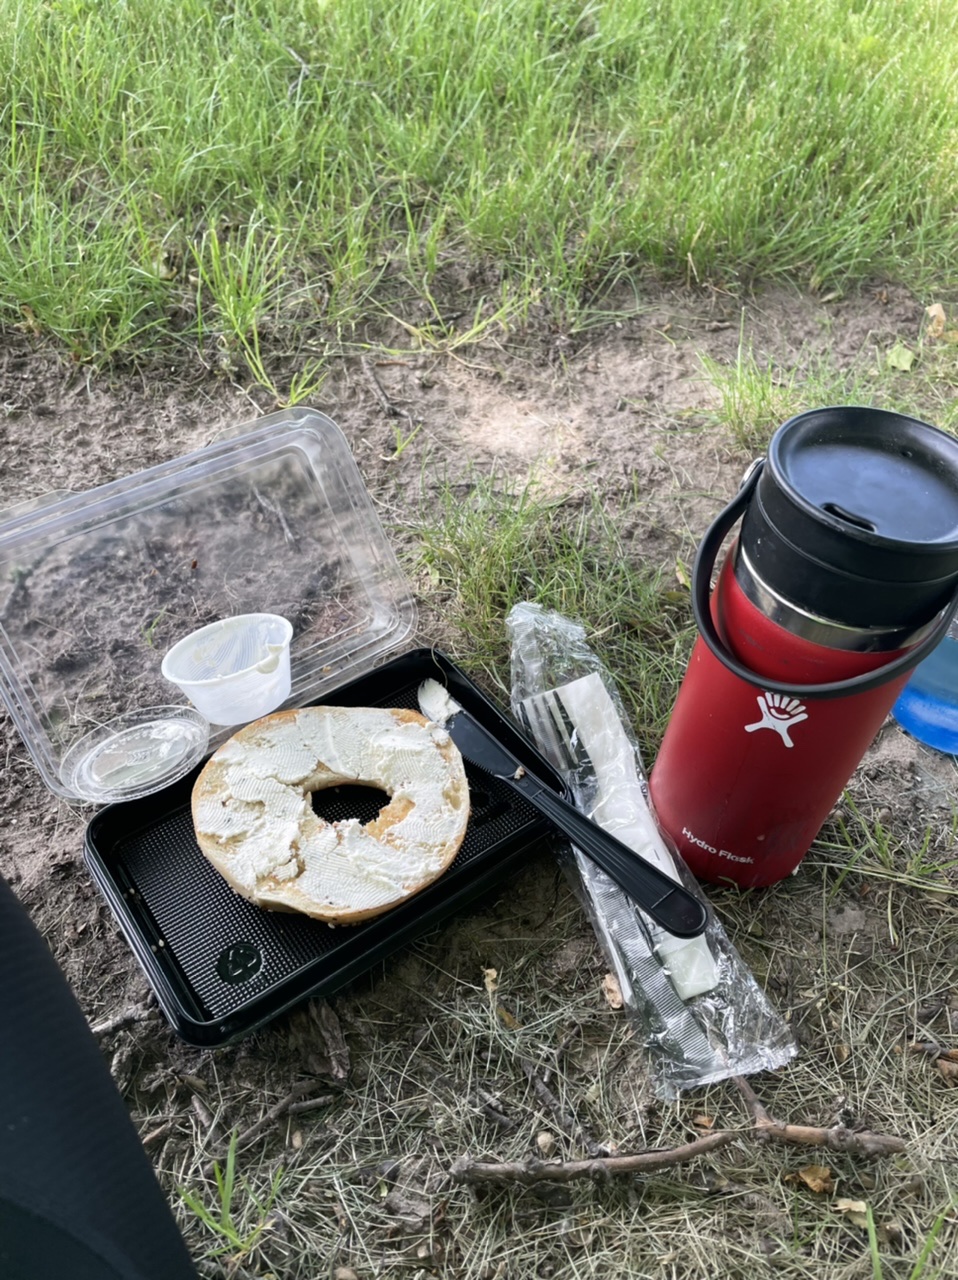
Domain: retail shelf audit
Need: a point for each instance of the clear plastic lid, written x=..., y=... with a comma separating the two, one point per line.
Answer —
x=96, y=587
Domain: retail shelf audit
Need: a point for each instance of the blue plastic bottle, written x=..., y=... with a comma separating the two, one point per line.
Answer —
x=927, y=707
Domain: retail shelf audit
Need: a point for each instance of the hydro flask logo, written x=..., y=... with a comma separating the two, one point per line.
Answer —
x=779, y=713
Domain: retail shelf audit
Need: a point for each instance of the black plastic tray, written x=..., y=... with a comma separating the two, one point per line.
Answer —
x=220, y=966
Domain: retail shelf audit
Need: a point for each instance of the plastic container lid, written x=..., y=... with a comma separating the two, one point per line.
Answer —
x=132, y=755
x=96, y=587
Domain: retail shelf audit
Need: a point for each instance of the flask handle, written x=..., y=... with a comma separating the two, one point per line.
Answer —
x=705, y=559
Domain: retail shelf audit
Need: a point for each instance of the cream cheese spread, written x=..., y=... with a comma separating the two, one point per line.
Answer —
x=254, y=819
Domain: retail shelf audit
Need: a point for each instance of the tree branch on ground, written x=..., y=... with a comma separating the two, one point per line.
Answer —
x=861, y=1143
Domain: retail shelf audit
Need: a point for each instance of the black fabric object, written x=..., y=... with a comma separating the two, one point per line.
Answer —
x=78, y=1195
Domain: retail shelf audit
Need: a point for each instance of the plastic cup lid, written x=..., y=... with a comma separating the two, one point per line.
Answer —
x=135, y=754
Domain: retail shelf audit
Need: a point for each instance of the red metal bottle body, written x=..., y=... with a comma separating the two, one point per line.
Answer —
x=745, y=778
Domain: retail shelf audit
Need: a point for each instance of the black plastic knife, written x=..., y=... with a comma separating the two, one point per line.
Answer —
x=669, y=904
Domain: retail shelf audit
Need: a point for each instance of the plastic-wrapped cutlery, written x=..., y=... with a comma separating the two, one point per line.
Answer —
x=671, y=905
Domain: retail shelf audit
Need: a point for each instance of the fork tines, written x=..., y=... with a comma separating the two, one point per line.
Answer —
x=548, y=722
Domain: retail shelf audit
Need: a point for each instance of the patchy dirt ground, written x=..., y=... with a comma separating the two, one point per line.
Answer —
x=618, y=407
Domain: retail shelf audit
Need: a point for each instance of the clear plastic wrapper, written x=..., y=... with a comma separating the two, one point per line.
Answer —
x=695, y=1005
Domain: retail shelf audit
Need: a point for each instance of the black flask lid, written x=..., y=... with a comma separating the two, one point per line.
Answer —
x=855, y=517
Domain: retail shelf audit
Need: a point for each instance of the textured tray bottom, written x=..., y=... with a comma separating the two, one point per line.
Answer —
x=228, y=950
x=224, y=950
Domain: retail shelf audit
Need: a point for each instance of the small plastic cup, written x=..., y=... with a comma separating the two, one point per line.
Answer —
x=235, y=670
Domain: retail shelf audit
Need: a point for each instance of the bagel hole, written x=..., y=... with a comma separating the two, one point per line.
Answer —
x=349, y=800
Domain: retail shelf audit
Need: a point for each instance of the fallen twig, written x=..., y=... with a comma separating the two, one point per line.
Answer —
x=489, y=1106
x=310, y=1104
x=859, y=1143
x=564, y=1119
x=932, y=1050
x=533, y=1170
x=158, y=1134
x=136, y=1013
x=276, y=1112
x=865, y=1144
x=389, y=408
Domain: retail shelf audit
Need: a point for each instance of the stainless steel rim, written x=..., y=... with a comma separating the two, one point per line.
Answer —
x=824, y=631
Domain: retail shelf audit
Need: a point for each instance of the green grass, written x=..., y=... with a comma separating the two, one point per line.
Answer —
x=234, y=186
x=233, y=1236
x=754, y=395
x=480, y=551
x=238, y=177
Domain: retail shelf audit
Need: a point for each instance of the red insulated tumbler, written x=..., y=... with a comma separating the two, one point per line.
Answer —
x=843, y=578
